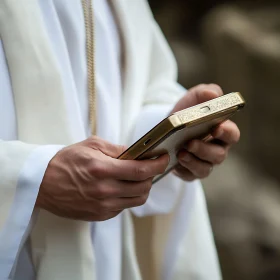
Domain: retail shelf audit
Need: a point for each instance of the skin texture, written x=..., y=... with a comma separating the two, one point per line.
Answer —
x=198, y=158
x=86, y=182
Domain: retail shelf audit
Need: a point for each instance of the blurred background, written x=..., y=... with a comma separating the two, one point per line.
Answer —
x=237, y=45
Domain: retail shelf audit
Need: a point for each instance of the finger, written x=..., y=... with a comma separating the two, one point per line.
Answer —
x=198, y=168
x=85, y=212
x=89, y=217
x=202, y=93
x=205, y=151
x=114, y=188
x=99, y=218
x=228, y=132
x=118, y=204
x=183, y=173
x=197, y=95
x=137, y=170
x=105, y=147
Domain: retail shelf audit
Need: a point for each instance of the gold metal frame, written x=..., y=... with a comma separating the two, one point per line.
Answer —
x=218, y=109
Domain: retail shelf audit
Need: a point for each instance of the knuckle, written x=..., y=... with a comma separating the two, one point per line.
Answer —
x=99, y=218
x=109, y=215
x=141, y=172
x=220, y=157
x=217, y=160
x=146, y=187
x=162, y=168
x=85, y=156
x=122, y=148
x=199, y=150
x=98, y=169
x=208, y=171
x=203, y=152
x=103, y=207
x=203, y=173
x=92, y=218
x=201, y=170
x=143, y=199
x=96, y=142
x=189, y=178
x=236, y=136
x=185, y=175
x=98, y=191
x=94, y=139
x=102, y=191
x=200, y=174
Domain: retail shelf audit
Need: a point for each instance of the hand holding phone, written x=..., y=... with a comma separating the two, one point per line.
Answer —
x=196, y=122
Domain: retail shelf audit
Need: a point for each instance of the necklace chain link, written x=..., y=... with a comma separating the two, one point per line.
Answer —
x=90, y=50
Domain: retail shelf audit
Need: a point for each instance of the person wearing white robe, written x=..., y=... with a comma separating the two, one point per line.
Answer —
x=44, y=108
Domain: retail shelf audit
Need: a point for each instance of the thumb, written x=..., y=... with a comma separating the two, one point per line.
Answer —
x=197, y=95
x=203, y=93
x=104, y=146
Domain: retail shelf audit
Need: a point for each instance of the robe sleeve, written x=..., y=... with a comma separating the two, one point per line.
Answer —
x=190, y=234
x=162, y=87
x=22, y=169
x=165, y=193
x=162, y=93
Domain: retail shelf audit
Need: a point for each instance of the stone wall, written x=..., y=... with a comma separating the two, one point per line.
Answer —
x=238, y=47
x=243, y=48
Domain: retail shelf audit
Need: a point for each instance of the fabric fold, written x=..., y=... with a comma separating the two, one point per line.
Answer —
x=22, y=216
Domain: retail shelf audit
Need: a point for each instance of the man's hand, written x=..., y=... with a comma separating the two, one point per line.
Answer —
x=198, y=158
x=85, y=182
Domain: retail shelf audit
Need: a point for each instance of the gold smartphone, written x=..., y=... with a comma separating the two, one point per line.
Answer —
x=171, y=134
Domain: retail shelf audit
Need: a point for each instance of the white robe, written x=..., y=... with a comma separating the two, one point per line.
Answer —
x=148, y=94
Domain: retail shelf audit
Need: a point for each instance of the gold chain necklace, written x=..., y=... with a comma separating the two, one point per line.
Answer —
x=89, y=29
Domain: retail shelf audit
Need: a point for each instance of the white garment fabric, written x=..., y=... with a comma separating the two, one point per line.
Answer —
x=72, y=58
x=64, y=23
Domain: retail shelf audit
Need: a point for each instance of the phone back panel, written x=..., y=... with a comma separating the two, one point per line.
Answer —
x=173, y=143
x=195, y=122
